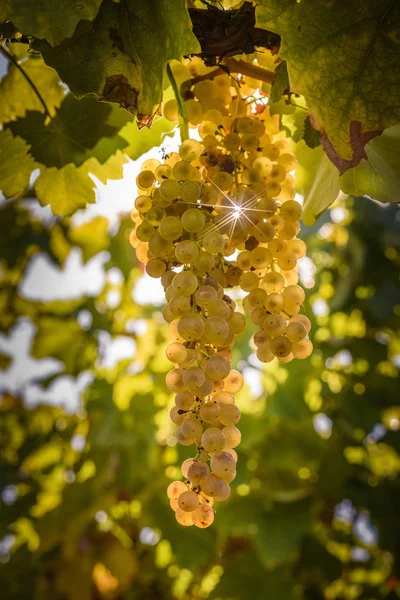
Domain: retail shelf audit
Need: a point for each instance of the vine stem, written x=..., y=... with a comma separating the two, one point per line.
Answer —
x=183, y=122
x=234, y=66
x=29, y=80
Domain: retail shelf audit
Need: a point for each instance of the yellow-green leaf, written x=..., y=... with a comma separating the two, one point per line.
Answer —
x=16, y=165
x=65, y=190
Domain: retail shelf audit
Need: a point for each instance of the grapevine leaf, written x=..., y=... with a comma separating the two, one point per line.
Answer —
x=16, y=165
x=317, y=179
x=65, y=190
x=310, y=135
x=379, y=176
x=343, y=58
x=121, y=55
x=111, y=169
x=62, y=339
x=45, y=19
x=17, y=95
x=92, y=237
x=75, y=134
x=142, y=141
x=281, y=82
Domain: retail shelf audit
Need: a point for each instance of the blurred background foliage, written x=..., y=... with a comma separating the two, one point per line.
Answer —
x=87, y=448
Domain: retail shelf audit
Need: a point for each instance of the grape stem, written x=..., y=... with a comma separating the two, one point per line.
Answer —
x=234, y=66
x=183, y=122
x=11, y=58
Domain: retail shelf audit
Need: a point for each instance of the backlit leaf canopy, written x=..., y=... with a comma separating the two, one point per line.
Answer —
x=343, y=58
x=16, y=165
x=46, y=19
x=80, y=129
x=122, y=54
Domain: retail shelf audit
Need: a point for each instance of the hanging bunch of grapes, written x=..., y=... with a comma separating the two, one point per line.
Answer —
x=219, y=215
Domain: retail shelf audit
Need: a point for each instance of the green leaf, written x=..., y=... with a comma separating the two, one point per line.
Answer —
x=16, y=165
x=59, y=338
x=121, y=55
x=65, y=190
x=317, y=179
x=343, y=58
x=379, y=177
x=75, y=134
x=46, y=19
x=310, y=135
x=281, y=82
x=92, y=237
x=142, y=141
x=111, y=169
x=17, y=95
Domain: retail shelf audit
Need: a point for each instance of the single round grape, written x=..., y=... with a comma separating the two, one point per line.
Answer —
x=237, y=322
x=203, y=516
x=271, y=151
x=303, y=319
x=205, y=389
x=175, y=489
x=213, y=242
x=174, y=380
x=209, y=412
x=294, y=293
x=144, y=231
x=231, y=142
x=145, y=179
x=261, y=338
x=224, y=398
x=185, y=283
x=249, y=281
x=191, y=327
x=184, y=518
x=205, y=262
x=206, y=129
x=291, y=308
x=143, y=203
x=198, y=472
x=263, y=166
x=224, y=493
x=297, y=247
x=176, y=416
x=179, y=305
x=287, y=261
x=257, y=298
x=193, y=220
x=187, y=251
x=291, y=210
x=223, y=181
x=219, y=308
x=274, y=303
x=281, y=346
x=273, y=188
x=182, y=439
x=184, y=400
x=257, y=316
x=188, y=501
x=176, y=352
x=229, y=415
x=216, y=330
x=265, y=354
x=191, y=191
x=194, y=111
x=155, y=215
x=173, y=332
x=170, y=189
x=170, y=111
x=217, y=367
x=163, y=172
x=260, y=258
x=158, y=246
x=190, y=150
x=302, y=349
x=278, y=173
x=194, y=377
x=273, y=282
x=234, y=382
x=274, y=325
x=213, y=486
x=296, y=331
x=213, y=440
x=232, y=436
x=170, y=228
x=155, y=267
x=205, y=295
x=185, y=466
x=167, y=278
x=222, y=463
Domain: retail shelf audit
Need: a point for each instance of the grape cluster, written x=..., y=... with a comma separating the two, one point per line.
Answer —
x=220, y=214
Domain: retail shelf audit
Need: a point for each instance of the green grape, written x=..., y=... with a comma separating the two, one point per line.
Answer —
x=274, y=324
x=188, y=501
x=145, y=231
x=174, y=380
x=158, y=246
x=302, y=349
x=185, y=283
x=224, y=398
x=184, y=518
x=143, y=203
x=224, y=493
x=237, y=322
x=175, y=489
x=170, y=228
x=197, y=473
x=303, y=319
x=145, y=179
x=216, y=330
x=155, y=215
x=205, y=262
x=209, y=412
x=193, y=378
x=186, y=252
x=234, y=382
x=191, y=327
x=170, y=189
x=184, y=400
x=176, y=352
x=171, y=110
x=213, y=440
x=191, y=191
x=155, y=267
x=232, y=436
x=193, y=220
x=281, y=346
x=217, y=367
x=296, y=331
x=192, y=428
x=179, y=305
x=163, y=172
x=213, y=485
x=222, y=464
x=203, y=516
x=205, y=295
x=185, y=466
x=229, y=415
x=213, y=242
